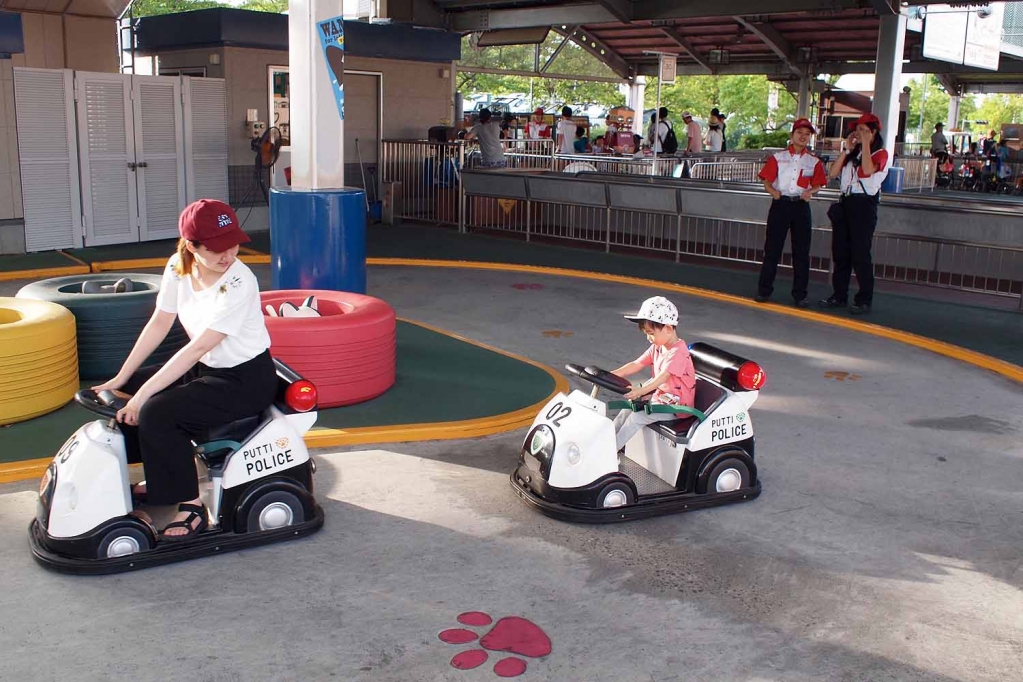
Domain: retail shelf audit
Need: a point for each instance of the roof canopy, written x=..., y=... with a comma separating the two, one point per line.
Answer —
x=779, y=38
x=105, y=9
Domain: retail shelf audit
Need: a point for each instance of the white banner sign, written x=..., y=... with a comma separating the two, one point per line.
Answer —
x=668, y=68
x=984, y=36
x=945, y=33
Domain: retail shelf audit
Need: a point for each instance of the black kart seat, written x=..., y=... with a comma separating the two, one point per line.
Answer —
x=708, y=397
x=237, y=431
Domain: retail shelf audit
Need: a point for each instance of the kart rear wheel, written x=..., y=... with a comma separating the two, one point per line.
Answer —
x=123, y=541
x=276, y=509
x=728, y=476
x=615, y=495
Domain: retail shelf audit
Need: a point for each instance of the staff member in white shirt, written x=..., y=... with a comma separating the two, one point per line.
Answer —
x=852, y=228
x=791, y=177
x=224, y=373
x=536, y=129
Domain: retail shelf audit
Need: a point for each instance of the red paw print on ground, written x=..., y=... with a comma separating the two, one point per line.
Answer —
x=512, y=634
x=524, y=285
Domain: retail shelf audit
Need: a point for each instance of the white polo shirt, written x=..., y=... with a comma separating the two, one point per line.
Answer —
x=792, y=174
x=231, y=307
x=855, y=180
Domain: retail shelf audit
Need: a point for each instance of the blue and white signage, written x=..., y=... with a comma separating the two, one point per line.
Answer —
x=332, y=39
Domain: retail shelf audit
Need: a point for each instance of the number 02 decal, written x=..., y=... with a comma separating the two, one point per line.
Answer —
x=558, y=412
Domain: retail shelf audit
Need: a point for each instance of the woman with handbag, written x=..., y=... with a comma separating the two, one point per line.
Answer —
x=854, y=218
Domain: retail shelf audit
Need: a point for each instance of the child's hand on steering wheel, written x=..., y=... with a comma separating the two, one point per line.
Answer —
x=112, y=385
x=635, y=394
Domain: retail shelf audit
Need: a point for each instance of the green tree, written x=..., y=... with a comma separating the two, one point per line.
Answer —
x=150, y=8
x=1000, y=109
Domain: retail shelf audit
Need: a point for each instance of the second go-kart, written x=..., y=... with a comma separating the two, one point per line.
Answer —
x=569, y=467
x=255, y=479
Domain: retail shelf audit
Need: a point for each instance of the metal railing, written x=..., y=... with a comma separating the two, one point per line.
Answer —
x=920, y=173
x=965, y=266
x=424, y=178
x=734, y=171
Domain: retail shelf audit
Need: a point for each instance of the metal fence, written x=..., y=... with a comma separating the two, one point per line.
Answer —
x=729, y=171
x=920, y=173
x=903, y=259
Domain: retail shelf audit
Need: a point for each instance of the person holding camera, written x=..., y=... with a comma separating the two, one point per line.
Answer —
x=854, y=218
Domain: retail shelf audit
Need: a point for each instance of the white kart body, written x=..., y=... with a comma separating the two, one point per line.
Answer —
x=585, y=447
x=92, y=471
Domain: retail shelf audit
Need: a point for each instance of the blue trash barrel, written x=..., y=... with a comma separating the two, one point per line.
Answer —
x=893, y=183
x=318, y=239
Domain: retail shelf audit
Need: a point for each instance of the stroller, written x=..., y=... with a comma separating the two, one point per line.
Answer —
x=946, y=171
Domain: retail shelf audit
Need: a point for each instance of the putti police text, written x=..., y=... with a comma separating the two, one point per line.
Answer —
x=262, y=458
x=726, y=428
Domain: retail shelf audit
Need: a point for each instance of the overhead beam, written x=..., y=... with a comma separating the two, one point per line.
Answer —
x=621, y=9
x=537, y=74
x=464, y=18
x=770, y=36
x=1010, y=70
x=600, y=50
x=687, y=47
x=554, y=55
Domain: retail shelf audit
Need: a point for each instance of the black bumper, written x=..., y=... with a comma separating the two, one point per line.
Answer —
x=547, y=503
x=46, y=550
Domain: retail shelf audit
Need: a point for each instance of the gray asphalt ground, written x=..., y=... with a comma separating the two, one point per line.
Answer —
x=886, y=544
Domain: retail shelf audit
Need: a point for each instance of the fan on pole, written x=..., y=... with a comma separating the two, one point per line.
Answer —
x=267, y=148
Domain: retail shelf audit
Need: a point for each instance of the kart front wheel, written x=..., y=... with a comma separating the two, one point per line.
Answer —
x=276, y=509
x=615, y=495
x=728, y=476
x=123, y=541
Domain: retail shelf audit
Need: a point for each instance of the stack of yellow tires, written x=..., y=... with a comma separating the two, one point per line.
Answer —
x=38, y=358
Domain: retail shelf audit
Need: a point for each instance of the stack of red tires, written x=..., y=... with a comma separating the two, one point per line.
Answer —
x=349, y=352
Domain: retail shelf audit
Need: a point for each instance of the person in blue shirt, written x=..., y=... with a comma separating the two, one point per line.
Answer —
x=581, y=145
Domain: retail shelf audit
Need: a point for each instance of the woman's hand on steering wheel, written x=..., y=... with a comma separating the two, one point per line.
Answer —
x=112, y=385
x=129, y=414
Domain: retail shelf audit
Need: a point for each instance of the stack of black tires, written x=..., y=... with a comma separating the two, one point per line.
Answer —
x=110, y=311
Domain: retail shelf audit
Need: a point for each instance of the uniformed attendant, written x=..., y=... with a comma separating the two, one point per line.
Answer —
x=852, y=228
x=223, y=374
x=791, y=177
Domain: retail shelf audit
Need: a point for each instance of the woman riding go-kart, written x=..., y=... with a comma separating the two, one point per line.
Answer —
x=255, y=478
x=569, y=467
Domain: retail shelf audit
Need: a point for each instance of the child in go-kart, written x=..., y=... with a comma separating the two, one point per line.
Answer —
x=674, y=378
x=224, y=373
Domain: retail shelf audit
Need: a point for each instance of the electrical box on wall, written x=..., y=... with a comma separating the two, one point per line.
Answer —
x=255, y=128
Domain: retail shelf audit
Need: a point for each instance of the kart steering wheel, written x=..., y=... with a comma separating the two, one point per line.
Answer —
x=602, y=378
x=104, y=403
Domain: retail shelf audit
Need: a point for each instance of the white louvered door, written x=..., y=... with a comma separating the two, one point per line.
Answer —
x=159, y=153
x=205, y=138
x=106, y=148
x=44, y=108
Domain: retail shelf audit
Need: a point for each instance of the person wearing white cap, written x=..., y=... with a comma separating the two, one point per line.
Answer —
x=674, y=377
x=694, y=141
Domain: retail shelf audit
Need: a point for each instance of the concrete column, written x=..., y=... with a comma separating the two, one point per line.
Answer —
x=953, y=111
x=804, y=96
x=891, y=43
x=317, y=131
x=637, y=92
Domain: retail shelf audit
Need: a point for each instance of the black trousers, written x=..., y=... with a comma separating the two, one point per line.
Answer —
x=783, y=217
x=184, y=412
x=851, y=241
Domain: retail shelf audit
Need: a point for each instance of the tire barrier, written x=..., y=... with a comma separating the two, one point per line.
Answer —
x=349, y=351
x=110, y=311
x=38, y=358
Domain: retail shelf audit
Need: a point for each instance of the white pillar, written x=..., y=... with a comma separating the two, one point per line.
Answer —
x=953, y=111
x=804, y=96
x=887, y=79
x=317, y=159
x=637, y=92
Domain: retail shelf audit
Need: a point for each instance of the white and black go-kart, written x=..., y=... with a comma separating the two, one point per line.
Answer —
x=569, y=467
x=255, y=478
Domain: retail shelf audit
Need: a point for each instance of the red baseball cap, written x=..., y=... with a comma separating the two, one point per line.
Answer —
x=867, y=119
x=803, y=123
x=213, y=224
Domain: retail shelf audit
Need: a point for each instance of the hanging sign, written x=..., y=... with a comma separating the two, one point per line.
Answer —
x=668, y=68
x=332, y=39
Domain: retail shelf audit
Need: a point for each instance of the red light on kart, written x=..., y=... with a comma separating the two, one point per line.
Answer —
x=301, y=396
x=751, y=376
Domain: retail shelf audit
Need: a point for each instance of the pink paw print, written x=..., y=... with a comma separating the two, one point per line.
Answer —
x=512, y=634
x=522, y=286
